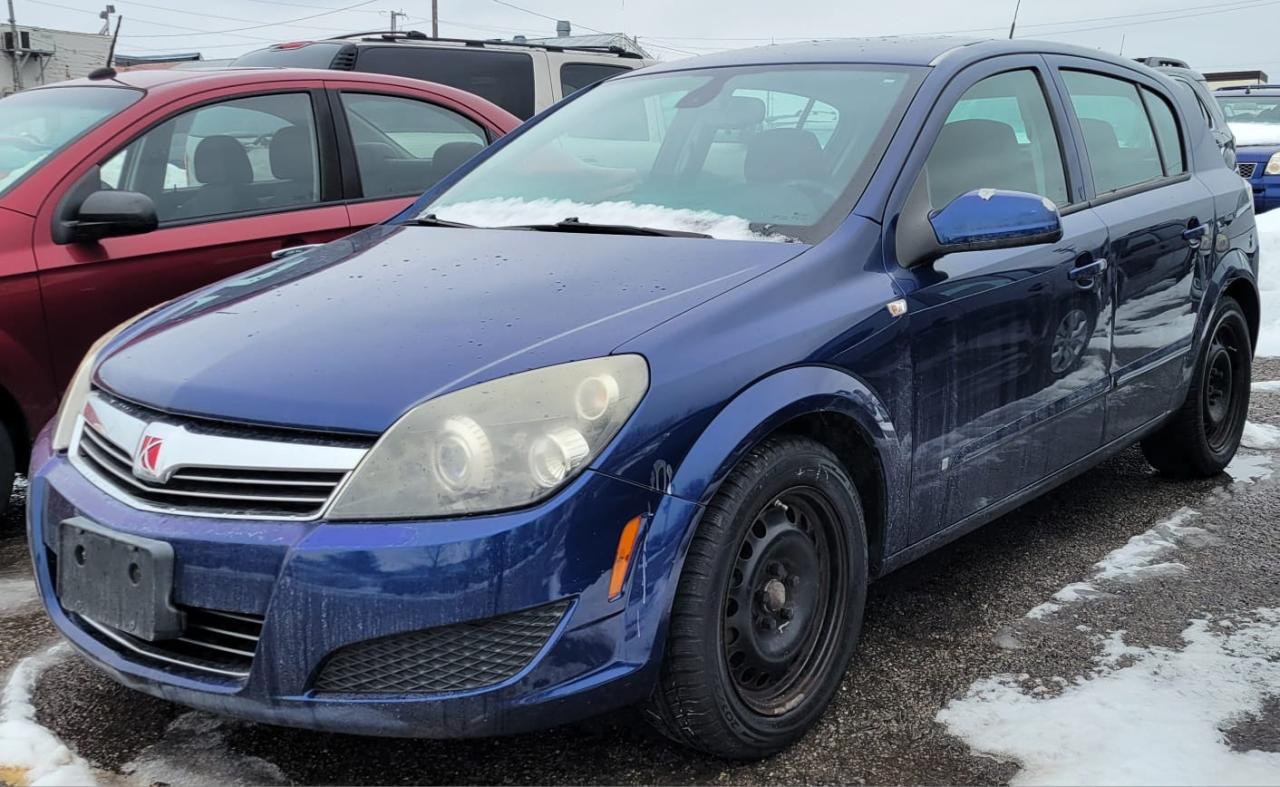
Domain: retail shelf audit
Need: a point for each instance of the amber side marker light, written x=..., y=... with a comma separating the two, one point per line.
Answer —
x=622, y=559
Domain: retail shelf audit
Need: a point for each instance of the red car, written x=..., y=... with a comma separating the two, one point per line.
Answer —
x=126, y=190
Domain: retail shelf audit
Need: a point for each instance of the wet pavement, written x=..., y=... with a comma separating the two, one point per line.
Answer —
x=933, y=629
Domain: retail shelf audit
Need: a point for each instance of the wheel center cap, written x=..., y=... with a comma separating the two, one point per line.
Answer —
x=775, y=595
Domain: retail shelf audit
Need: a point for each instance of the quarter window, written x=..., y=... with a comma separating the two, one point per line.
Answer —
x=1166, y=132
x=999, y=135
x=505, y=78
x=242, y=156
x=404, y=146
x=576, y=76
x=1117, y=131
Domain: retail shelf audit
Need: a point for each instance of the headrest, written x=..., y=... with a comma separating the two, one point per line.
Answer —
x=222, y=160
x=291, y=154
x=783, y=154
x=452, y=155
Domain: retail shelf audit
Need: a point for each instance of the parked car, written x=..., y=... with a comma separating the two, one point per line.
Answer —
x=1218, y=127
x=522, y=78
x=120, y=192
x=630, y=408
x=1254, y=115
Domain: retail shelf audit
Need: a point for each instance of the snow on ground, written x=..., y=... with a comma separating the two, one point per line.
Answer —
x=28, y=752
x=1270, y=386
x=1142, y=716
x=1269, y=282
x=194, y=751
x=1260, y=436
x=1255, y=133
x=1247, y=468
x=1142, y=557
x=16, y=594
x=514, y=211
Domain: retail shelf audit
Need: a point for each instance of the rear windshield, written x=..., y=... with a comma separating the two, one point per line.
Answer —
x=317, y=55
x=505, y=78
x=38, y=123
x=758, y=153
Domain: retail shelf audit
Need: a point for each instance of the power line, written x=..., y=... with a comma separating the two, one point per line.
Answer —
x=544, y=16
x=268, y=24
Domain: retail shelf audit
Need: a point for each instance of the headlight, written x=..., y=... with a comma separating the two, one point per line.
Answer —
x=498, y=445
x=1273, y=165
x=78, y=391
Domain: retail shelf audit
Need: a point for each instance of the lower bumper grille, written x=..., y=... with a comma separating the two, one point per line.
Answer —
x=212, y=642
x=1246, y=169
x=450, y=658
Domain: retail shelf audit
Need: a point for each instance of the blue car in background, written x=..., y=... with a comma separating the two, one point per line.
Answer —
x=1253, y=113
x=630, y=409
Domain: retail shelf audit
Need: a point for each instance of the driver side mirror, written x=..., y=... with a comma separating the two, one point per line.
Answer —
x=111, y=214
x=982, y=219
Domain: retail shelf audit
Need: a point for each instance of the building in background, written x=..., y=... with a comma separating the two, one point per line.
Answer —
x=46, y=56
x=1217, y=79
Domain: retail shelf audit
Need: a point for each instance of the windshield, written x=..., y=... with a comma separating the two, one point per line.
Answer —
x=1254, y=120
x=36, y=124
x=762, y=153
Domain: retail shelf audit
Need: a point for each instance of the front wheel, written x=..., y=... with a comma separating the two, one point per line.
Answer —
x=1202, y=436
x=769, y=605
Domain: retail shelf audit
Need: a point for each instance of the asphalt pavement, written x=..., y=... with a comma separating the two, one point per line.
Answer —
x=933, y=630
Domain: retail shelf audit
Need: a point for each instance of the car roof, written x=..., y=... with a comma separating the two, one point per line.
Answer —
x=889, y=50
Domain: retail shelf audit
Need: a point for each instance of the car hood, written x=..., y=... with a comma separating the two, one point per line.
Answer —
x=1255, y=152
x=349, y=336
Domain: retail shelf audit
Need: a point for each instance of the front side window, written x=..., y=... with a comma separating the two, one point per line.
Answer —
x=697, y=151
x=1117, y=131
x=404, y=146
x=999, y=135
x=505, y=78
x=38, y=123
x=241, y=156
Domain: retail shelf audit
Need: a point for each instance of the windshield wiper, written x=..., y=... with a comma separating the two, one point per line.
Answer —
x=432, y=220
x=573, y=224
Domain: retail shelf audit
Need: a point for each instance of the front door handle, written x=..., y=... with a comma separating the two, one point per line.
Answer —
x=1085, y=274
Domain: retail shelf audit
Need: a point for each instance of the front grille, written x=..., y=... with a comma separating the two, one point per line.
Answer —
x=215, y=470
x=212, y=642
x=449, y=658
x=1246, y=168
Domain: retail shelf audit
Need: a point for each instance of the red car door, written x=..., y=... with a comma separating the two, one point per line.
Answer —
x=235, y=174
x=403, y=140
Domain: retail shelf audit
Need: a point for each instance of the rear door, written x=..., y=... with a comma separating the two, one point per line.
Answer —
x=1161, y=222
x=1010, y=347
x=235, y=175
x=396, y=145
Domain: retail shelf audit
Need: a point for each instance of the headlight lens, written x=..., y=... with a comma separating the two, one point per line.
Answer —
x=1273, y=164
x=78, y=391
x=498, y=445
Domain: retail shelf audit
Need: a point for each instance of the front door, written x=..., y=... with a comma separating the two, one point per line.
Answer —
x=1010, y=347
x=233, y=180
x=1161, y=222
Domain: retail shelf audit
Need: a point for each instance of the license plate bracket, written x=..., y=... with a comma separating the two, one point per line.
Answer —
x=119, y=580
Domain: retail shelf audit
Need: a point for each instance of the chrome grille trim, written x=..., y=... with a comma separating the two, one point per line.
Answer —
x=239, y=669
x=207, y=472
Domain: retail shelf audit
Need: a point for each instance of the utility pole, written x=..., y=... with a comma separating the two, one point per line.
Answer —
x=17, y=44
x=394, y=16
x=435, y=18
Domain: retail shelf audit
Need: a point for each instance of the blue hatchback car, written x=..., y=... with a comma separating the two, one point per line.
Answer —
x=1255, y=111
x=630, y=409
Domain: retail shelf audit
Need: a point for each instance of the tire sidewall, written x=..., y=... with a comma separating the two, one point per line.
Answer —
x=819, y=470
x=7, y=468
x=1228, y=310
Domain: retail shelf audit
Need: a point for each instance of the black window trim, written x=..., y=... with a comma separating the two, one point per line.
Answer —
x=363, y=51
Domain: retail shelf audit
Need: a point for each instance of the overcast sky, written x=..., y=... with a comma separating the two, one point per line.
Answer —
x=1229, y=34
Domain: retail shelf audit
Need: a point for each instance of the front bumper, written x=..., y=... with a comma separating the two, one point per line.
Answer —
x=1266, y=190
x=321, y=586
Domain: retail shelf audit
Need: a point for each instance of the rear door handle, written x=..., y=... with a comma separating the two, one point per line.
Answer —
x=1085, y=274
x=1194, y=234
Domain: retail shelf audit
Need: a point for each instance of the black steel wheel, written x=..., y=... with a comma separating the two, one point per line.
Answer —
x=768, y=607
x=1202, y=437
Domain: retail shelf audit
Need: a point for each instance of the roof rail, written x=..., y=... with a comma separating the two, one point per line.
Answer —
x=417, y=35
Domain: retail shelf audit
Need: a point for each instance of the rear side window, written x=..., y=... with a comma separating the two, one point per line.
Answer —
x=505, y=78
x=1117, y=131
x=576, y=76
x=1167, y=135
x=404, y=146
x=999, y=135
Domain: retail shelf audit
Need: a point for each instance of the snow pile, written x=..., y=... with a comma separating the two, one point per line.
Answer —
x=1141, y=558
x=1248, y=133
x=1248, y=468
x=28, y=750
x=513, y=211
x=1270, y=386
x=194, y=750
x=1269, y=282
x=1158, y=720
x=16, y=594
x=1260, y=436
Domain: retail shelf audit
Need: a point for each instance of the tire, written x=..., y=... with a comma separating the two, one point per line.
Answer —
x=782, y=548
x=7, y=468
x=1201, y=438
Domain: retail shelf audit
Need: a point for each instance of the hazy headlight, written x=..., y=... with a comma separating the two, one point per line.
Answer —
x=78, y=391
x=1273, y=165
x=498, y=445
